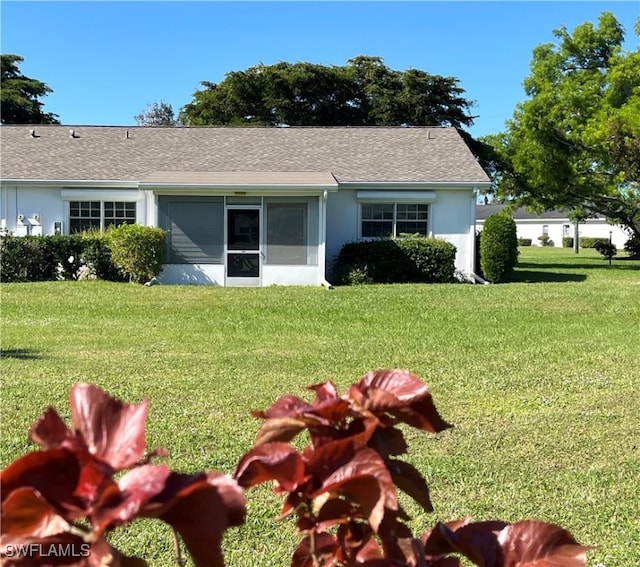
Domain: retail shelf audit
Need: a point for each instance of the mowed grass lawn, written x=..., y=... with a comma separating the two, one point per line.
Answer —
x=539, y=377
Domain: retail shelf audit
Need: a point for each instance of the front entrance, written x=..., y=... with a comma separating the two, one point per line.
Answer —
x=243, y=253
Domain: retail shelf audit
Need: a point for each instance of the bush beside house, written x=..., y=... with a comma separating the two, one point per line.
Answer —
x=135, y=254
x=498, y=247
x=401, y=260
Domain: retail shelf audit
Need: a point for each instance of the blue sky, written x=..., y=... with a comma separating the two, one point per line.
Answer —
x=107, y=60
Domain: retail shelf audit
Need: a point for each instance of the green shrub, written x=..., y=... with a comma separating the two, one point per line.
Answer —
x=401, y=260
x=590, y=242
x=567, y=241
x=65, y=253
x=524, y=241
x=499, y=247
x=96, y=255
x=137, y=251
x=25, y=259
x=606, y=248
x=632, y=246
x=545, y=240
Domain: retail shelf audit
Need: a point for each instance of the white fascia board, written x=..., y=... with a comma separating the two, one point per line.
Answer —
x=227, y=189
x=413, y=185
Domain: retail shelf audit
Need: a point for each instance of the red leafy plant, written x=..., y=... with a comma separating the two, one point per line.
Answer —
x=59, y=503
x=342, y=487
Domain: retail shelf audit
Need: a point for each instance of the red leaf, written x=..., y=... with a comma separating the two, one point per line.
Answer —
x=435, y=540
x=136, y=489
x=538, y=544
x=286, y=406
x=365, y=479
x=54, y=474
x=327, y=409
x=477, y=541
x=322, y=546
x=200, y=508
x=26, y=513
x=96, y=486
x=114, y=431
x=325, y=391
x=50, y=431
x=401, y=394
x=282, y=429
x=271, y=461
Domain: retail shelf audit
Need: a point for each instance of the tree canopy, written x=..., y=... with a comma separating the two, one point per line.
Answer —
x=20, y=96
x=575, y=142
x=156, y=114
x=365, y=92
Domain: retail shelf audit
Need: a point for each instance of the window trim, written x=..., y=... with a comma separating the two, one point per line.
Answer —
x=92, y=199
x=394, y=220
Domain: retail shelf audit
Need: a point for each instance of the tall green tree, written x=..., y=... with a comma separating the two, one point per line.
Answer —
x=575, y=142
x=20, y=95
x=365, y=92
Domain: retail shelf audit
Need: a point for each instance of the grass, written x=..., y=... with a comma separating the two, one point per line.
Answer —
x=540, y=378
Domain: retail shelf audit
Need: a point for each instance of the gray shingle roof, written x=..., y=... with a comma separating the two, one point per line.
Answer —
x=133, y=153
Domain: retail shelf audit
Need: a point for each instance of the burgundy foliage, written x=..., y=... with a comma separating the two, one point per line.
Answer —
x=59, y=503
x=342, y=487
x=97, y=475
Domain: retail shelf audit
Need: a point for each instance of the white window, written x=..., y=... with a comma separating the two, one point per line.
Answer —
x=100, y=215
x=380, y=220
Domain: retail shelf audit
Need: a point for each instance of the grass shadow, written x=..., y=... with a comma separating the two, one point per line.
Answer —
x=21, y=354
x=533, y=276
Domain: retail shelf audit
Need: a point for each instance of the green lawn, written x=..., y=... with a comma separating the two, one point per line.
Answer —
x=540, y=378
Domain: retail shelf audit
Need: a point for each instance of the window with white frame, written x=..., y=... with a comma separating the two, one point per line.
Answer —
x=383, y=220
x=100, y=215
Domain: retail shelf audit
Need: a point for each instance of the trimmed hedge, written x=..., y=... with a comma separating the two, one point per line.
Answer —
x=78, y=256
x=499, y=247
x=524, y=241
x=399, y=260
x=567, y=241
x=138, y=250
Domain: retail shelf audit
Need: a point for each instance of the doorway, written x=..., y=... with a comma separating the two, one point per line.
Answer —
x=243, y=255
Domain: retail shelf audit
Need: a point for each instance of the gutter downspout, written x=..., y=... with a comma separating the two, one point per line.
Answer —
x=475, y=278
x=326, y=284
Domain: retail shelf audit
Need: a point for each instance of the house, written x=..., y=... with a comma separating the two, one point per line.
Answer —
x=556, y=225
x=243, y=206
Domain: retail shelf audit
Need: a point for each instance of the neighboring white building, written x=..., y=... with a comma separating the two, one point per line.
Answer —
x=243, y=206
x=555, y=225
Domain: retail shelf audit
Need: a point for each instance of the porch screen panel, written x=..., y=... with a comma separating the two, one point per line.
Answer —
x=291, y=231
x=195, y=229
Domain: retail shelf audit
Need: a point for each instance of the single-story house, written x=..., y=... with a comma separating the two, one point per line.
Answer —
x=554, y=224
x=243, y=206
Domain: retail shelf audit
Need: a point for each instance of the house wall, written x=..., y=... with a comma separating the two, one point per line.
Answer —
x=342, y=223
x=29, y=201
x=451, y=217
x=49, y=203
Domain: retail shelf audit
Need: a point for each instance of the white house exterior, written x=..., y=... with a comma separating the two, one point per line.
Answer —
x=556, y=225
x=243, y=206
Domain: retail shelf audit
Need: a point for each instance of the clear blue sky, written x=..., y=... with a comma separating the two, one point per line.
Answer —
x=107, y=60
